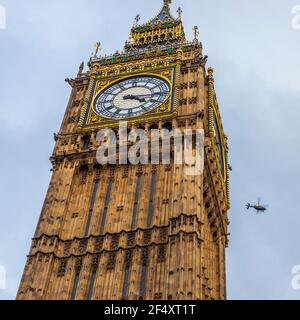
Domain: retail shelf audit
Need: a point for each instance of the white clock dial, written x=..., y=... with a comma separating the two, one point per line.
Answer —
x=132, y=97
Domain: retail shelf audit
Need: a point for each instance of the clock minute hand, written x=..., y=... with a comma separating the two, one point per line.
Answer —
x=149, y=95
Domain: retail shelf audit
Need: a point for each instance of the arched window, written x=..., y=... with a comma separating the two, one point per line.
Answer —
x=153, y=127
x=168, y=125
x=86, y=141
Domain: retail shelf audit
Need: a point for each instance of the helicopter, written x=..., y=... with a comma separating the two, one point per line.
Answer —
x=258, y=207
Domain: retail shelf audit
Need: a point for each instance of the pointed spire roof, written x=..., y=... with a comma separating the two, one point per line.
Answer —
x=163, y=35
x=164, y=14
x=162, y=31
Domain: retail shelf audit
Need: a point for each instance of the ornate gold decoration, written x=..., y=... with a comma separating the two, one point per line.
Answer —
x=86, y=101
x=164, y=107
x=213, y=110
x=169, y=71
x=94, y=54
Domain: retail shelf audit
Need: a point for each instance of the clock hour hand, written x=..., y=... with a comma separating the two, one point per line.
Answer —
x=134, y=97
x=141, y=97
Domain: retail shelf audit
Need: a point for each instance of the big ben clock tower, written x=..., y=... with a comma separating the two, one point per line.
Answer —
x=143, y=231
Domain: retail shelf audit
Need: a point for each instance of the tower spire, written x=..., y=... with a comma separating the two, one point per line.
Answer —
x=163, y=31
x=165, y=13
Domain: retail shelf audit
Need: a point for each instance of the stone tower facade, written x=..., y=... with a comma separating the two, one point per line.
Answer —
x=144, y=231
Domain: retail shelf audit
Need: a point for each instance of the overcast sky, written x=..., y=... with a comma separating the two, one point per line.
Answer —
x=255, y=52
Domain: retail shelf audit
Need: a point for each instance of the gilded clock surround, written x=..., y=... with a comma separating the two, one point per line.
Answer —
x=91, y=120
x=135, y=231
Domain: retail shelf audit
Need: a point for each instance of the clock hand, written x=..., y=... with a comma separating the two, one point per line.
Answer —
x=128, y=97
x=141, y=97
x=133, y=97
x=150, y=95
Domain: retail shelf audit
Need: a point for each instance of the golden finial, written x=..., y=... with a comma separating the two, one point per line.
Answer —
x=136, y=20
x=179, y=11
x=80, y=70
x=196, y=34
x=97, y=49
x=210, y=71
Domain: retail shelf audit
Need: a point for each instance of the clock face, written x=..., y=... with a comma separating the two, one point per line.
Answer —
x=132, y=97
x=219, y=145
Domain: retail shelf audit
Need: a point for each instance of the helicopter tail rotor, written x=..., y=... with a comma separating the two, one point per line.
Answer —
x=248, y=206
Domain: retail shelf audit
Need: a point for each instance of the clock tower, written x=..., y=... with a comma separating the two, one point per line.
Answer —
x=135, y=231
